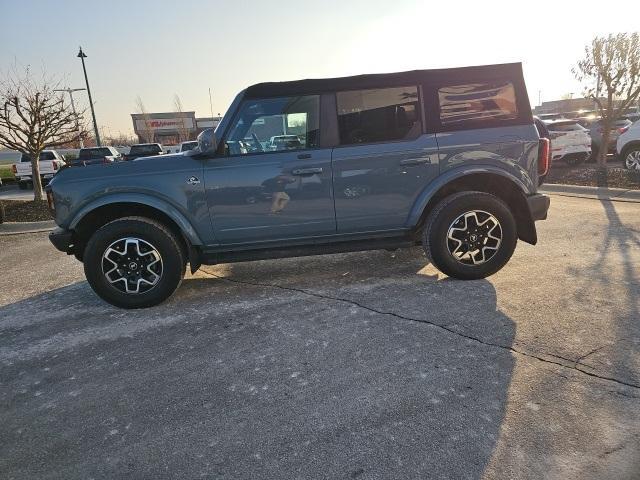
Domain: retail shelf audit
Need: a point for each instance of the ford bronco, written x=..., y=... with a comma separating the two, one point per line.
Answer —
x=446, y=158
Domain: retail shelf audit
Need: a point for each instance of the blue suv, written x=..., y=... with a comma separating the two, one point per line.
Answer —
x=449, y=159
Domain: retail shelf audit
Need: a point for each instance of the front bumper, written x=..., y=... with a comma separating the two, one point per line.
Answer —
x=538, y=206
x=61, y=239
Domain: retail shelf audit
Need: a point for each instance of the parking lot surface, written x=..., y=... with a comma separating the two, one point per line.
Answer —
x=12, y=192
x=364, y=365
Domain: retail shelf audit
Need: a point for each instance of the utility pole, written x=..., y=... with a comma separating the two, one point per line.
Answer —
x=82, y=56
x=73, y=107
x=210, y=104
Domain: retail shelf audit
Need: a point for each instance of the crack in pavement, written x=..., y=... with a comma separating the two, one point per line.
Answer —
x=591, y=352
x=573, y=364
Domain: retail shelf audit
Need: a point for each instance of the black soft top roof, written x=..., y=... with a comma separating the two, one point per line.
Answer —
x=511, y=71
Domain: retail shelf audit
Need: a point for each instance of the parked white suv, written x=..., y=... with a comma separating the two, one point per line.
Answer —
x=628, y=147
x=570, y=141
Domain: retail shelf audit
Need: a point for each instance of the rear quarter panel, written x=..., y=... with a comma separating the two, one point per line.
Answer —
x=512, y=149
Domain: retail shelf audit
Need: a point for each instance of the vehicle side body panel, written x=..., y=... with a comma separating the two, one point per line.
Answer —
x=506, y=149
x=267, y=196
x=376, y=185
x=171, y=183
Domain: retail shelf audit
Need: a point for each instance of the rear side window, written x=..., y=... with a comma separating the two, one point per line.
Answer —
x=378, y=115
x=477, y=102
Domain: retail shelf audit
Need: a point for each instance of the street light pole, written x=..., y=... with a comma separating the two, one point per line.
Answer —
x=73, y=107
x=82, y=56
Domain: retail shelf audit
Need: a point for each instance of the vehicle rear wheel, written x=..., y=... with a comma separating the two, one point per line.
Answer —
x=134, y=262
x=631, y=159
x=470, y=235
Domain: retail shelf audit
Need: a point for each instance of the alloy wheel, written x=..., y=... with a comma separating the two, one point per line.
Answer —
x=132, y=265
x=632, y=160
x=474, y=237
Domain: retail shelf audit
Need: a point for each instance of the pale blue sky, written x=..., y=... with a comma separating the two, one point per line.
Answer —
x=156, y=49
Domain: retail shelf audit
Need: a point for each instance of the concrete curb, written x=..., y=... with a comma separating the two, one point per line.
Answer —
x=597, y=193
x=17, y=228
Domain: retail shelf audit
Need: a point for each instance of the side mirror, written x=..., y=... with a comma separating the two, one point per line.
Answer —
x=207, y=141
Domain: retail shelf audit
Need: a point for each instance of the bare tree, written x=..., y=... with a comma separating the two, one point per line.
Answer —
x=183, y=131
x=147, y=131
x=34, y=117
x=610, y=72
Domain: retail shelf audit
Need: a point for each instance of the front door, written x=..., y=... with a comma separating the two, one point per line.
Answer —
x=274, y=181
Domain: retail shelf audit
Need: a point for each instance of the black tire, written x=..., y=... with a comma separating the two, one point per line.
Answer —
x=23, y=185
x=441, y=219
x=172, y=266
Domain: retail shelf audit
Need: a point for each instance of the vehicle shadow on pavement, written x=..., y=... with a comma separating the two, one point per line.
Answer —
x=236, y=378
x=572, y=425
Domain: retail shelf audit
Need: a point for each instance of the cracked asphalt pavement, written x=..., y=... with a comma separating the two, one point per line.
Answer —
x=362, y=365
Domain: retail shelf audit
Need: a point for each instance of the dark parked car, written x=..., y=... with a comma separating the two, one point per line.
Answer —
x=144, y=150
x=618, y=128
x=95, y=155
x=447, y=159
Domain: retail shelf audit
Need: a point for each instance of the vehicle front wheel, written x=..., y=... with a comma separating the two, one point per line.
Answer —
x=470, y=235
x=134, y=262
x=631, y=158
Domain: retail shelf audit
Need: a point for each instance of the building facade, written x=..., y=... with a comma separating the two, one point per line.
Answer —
x=572, y=107
x=170, y=128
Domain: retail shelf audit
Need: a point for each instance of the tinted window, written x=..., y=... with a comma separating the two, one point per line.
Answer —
x=275, y=125
x=91, y=153
x=189, y=146
x=477, y=102
x=145, y=149
x=378, y=115
x=566, y=127
x=43, y=156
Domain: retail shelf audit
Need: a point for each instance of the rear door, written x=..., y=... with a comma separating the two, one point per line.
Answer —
x=262, y=189
x=383, y=160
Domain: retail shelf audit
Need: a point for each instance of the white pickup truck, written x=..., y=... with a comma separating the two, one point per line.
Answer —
x=50, y=163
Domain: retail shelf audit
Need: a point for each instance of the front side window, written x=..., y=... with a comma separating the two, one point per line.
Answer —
x=275, y=125
x=378, y=115
x=476, y=102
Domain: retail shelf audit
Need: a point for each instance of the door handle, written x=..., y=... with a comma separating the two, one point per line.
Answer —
x=415, y=161
x=306, y=171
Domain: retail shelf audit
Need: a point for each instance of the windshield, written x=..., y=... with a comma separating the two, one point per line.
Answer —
x=145, y=149
x=92, y=153
x=43, y=156
x=566, y=127
x=189, y=146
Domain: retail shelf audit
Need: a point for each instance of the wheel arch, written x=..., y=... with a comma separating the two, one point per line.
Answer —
x=104, y=210
x=499, y=183
x=632, y=145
